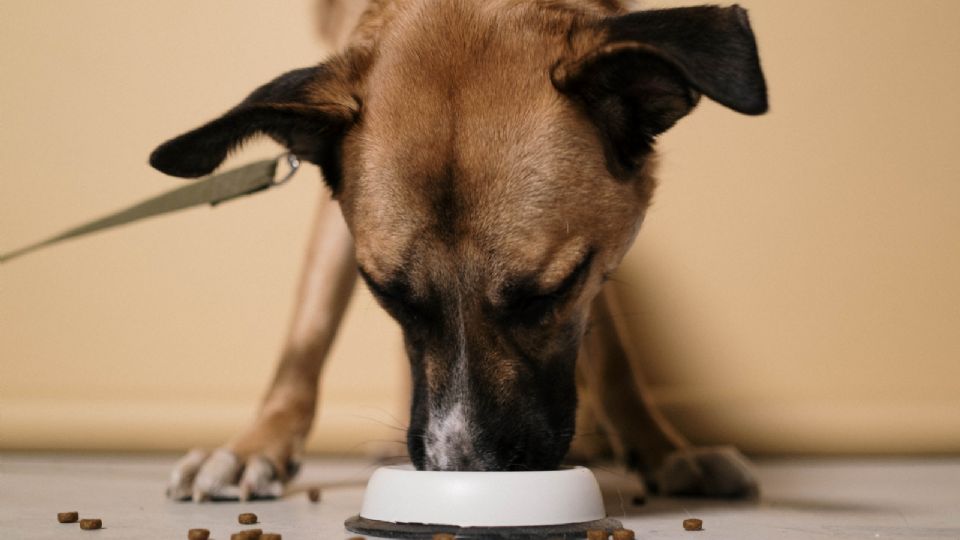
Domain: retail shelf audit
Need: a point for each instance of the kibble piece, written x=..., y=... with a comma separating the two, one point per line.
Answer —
x=90, y=524
x=198, y=534
x=314, y=494
x=623, y=534
x=270, y=536
x=443, y=536
x=597, y=534
x=247, y=518
x=68, y=517
x=249, y=534
x=693, y=524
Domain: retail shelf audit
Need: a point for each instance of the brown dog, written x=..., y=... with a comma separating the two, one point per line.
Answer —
x=492, y=161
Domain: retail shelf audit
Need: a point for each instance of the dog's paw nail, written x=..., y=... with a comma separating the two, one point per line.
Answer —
x=180, y=484
x=259, y=478
x=219, y=471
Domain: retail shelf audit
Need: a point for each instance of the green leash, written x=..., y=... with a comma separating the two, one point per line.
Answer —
x=211, y=190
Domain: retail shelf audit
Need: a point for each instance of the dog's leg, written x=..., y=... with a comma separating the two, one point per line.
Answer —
x=638, y=431
x=259, y=459
x=590, y=443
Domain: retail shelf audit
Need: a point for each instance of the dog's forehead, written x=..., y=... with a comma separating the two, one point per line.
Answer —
x=466, y=141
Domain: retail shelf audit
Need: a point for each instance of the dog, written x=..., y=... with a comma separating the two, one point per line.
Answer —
x=490, y=163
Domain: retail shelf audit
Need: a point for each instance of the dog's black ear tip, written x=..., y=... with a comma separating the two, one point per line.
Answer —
x=172, y=161
x=756, y=107
x=742, y=16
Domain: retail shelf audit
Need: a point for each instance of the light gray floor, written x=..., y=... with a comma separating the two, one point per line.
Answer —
x=802, y=499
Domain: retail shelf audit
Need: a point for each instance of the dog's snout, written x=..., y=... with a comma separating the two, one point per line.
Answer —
x=459, y=439
x=449, y=444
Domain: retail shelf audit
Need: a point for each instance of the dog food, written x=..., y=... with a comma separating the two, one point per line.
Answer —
x=90, y=524
x=68, y=517
x=443, y=536
x=693, y=524
x=270, y=536
x=249, y=534
x=623, y=534
x=247, y=519
x=198, y=534
x=597, y=534
x=314, y=494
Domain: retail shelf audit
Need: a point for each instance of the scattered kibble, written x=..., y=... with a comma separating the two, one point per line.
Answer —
x=597, y=534
x=247, y=518
x=270, y=536
x=249, y=534
x=198, y=534
x=623, y=534
x=90, y=524
x=68, y=517
x=693, y=524
x=314, y=494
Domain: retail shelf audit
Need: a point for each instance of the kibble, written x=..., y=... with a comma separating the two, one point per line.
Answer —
x=90, y=524
x=314, y=495
x=693, y=524
x=249, y=534
x=198, y=534
x=623, y=534
x=597, y=534
x=247, y=519
x=270, y=536
x=68, y=517
x=443, y=536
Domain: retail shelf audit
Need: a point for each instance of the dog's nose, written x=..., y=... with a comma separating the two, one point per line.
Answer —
x=460, y=462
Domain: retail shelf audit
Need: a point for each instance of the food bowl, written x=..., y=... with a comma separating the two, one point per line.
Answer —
x=401, y=501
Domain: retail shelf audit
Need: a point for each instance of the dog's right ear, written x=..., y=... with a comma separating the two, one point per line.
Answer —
x=307, y=110
x=639, y=73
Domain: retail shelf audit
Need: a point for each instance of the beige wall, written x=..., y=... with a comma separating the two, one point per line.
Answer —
x=796, y=286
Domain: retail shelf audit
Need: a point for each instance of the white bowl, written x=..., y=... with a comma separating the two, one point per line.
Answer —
x=401, y=494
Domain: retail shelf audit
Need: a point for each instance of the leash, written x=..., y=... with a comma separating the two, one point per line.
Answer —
x=212, y=190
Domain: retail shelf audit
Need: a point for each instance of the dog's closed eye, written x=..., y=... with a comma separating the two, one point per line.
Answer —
x=394, y=297
x=524, y=302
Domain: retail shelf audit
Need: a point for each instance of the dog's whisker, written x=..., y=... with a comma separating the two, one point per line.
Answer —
x=381, y=422
x=392, y=417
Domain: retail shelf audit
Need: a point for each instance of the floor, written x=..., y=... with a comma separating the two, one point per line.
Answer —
x=903, y=499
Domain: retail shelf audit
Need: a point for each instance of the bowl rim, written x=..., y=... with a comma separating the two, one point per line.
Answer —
x=402, y=494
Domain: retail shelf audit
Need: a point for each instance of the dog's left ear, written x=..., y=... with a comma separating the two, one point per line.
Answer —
x=647, y=69
x=307, y=110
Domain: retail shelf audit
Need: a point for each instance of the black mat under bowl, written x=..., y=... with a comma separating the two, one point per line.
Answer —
x=385, y=529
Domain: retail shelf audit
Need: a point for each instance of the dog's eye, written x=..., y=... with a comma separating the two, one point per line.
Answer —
x=394, y=298
x=535, y=308
x=527, y=305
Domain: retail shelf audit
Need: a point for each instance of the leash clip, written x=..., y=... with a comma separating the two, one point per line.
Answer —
x=293, y=162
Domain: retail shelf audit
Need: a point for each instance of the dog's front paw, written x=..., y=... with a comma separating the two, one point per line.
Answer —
x=256, y=465
x=707, y=472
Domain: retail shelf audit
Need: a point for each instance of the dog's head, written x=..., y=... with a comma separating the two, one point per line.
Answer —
x=493, y=162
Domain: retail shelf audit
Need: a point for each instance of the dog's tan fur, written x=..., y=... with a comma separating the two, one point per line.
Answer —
x=519, y=210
